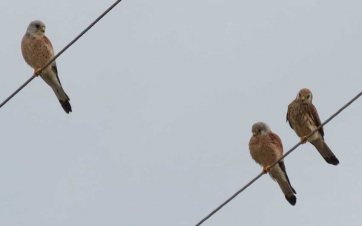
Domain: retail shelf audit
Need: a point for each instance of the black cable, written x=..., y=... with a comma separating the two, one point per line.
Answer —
x=277, y=161
x=62, y=51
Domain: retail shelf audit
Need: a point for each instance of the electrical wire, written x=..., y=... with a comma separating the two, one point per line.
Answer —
x=277, y=161
x=61, y=52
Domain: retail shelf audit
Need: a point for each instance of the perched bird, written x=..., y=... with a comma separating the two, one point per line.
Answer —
x=37, y=51
x=265, y=148
x=303, y=118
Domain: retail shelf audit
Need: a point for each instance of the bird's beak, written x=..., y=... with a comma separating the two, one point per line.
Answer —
x=42, y=28
x=303, y=98
x=255, y=133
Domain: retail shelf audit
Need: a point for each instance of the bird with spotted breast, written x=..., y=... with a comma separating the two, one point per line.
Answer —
x=303, y=118
x=37, y=50
x=265, y=148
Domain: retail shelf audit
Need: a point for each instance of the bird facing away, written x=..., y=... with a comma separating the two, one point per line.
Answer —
x=37, y=51
x=265, y=148
x=303, y=118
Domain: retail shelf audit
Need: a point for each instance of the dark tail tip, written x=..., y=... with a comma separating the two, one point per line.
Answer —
x=292, y=200
x=332, y=160
x=66, y=106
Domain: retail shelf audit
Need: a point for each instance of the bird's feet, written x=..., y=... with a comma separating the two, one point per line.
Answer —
x=303, y=139
x=37, y=72
x=266, y=169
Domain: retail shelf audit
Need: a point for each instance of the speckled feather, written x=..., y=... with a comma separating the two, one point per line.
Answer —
x=303, y=118
x=265, y=149
x=37, y=50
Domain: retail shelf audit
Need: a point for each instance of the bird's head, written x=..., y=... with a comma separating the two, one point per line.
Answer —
x=36, y=27
x=260, y=129
x=305, y=95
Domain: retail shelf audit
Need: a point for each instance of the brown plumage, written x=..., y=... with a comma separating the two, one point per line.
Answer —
x=265, y=148
x=303, y=118
x=37, y=50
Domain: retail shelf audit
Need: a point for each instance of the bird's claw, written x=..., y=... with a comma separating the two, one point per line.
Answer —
x=266, y=169
x=303, y=140
x=37, y=72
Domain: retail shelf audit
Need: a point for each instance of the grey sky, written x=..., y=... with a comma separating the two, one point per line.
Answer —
x=164, y=94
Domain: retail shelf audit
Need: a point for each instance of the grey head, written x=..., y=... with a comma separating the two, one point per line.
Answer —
x=36, y=27
x=260, y=129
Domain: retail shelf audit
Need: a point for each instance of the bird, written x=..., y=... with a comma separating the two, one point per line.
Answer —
x=303, y=118
x=37, y=50
x=265, y=148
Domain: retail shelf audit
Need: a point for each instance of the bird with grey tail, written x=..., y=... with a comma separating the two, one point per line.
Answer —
x=37, y=50
x=265, y=148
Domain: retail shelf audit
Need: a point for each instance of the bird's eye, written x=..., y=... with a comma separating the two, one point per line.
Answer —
x=308, y=96
x=37, y=26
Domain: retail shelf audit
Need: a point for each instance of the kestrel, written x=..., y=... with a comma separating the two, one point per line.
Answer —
x=265, y=148
x=303, y=119
x=37, y=51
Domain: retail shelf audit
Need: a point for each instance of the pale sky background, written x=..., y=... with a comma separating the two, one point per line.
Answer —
x=164, y=94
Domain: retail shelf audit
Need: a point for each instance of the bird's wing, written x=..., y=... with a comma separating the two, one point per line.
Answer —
x=313, y=113
x=53, y=65
x=275, y=139
x=290, y=107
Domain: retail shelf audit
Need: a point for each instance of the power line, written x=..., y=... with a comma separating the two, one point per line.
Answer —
x=277, y=161
x=62, y=51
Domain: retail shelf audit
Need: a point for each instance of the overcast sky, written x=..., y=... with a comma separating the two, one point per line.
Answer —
x=164, y=94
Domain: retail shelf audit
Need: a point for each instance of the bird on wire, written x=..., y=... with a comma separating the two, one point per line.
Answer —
x=303, y=118
x=265, y=148
x=37, y=50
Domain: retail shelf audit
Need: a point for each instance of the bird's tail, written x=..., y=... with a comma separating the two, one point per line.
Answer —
x=325, y=151
x=279, y=174
x=66, y=106
x=63, y=99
